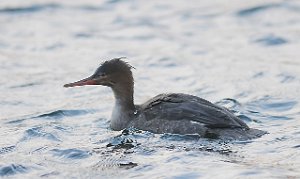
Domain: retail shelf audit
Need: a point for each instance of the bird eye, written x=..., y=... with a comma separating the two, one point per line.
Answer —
x=102, y=75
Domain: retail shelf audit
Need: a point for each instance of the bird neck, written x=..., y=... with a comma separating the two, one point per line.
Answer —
x=124, y=96
x=124, y=108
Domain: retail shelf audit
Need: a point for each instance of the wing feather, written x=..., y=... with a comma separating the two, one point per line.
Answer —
x=187, y=107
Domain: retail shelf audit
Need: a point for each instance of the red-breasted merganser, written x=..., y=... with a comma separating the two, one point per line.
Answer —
x=174, y=113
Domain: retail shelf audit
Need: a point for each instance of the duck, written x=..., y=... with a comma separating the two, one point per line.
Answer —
x=169, y=113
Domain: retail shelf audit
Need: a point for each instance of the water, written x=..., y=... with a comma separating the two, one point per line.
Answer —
x=243, y=55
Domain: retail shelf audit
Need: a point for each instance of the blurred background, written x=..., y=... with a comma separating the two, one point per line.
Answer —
x=240, y=54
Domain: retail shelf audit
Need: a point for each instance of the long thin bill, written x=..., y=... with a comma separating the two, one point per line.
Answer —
x=86, y=81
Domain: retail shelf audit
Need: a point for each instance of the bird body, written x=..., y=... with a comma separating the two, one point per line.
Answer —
x=175, y=113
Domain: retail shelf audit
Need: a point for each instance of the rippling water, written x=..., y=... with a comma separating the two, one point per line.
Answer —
x=243, y=55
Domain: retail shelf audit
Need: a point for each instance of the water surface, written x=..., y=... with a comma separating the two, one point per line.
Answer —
x=242, y=55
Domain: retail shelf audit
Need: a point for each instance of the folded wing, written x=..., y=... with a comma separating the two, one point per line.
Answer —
x=187, y=107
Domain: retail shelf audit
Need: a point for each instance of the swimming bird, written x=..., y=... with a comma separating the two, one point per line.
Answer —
x=174, y=113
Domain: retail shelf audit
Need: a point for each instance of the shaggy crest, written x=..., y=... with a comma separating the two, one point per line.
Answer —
x=115, y=65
